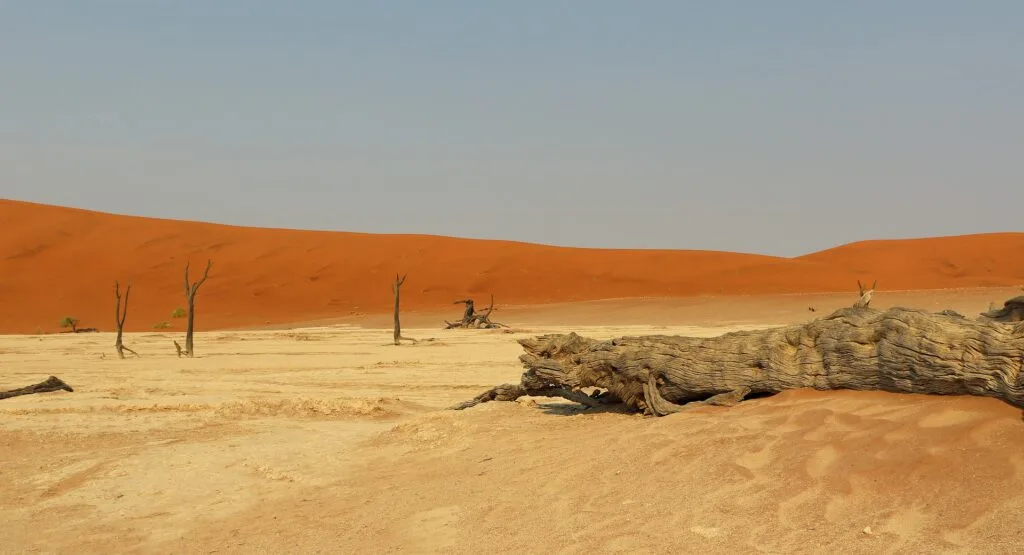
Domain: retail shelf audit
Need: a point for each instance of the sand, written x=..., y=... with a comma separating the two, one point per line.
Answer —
x=328, y=439
x=298, y=428
x=57, y=262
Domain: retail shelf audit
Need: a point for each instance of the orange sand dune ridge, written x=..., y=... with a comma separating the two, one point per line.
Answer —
x=57, y=262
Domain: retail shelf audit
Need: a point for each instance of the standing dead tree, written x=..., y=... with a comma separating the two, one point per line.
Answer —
x=396, y=287
x=899, y=350
x=191, y=288
x=53, y=383
x=119, y=318
x=865, y=294
x=474, y=320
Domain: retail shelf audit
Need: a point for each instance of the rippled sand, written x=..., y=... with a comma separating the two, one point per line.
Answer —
x=331, y=439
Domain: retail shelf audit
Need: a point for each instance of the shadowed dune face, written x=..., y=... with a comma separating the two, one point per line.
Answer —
x=57, y=262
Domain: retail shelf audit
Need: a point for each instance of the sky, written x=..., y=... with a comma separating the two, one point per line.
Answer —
x=778, y=127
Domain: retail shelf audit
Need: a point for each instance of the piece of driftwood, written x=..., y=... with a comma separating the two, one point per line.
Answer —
x=474, y=320
x=53, y=383
x=119, y=318
x=897, y=350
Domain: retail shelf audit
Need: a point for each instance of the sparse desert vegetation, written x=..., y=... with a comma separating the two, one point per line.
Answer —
x=69, y=322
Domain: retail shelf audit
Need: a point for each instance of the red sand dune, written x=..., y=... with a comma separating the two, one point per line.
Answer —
x=57, y=262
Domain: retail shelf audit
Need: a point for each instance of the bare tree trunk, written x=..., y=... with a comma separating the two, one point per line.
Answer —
x=52, y=383
x=190, y=294
x=899, y=350
x=189, y=328
x=398, y=325
x=119, y=318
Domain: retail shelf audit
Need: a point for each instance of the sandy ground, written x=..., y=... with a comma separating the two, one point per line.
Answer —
x=328, y=439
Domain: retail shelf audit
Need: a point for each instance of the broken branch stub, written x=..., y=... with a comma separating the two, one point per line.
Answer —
x=898, y=350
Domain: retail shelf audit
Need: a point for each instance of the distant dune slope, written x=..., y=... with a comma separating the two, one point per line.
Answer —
x=57, y=262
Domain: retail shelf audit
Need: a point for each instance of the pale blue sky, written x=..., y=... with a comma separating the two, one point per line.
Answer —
x=775, y=127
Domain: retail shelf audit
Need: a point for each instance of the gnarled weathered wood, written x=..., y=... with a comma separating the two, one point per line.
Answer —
x=474, y=320
x=53, y=383
x=865, y=294
x=898, y=350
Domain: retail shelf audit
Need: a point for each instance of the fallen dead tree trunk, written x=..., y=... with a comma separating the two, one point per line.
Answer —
x=53, y=383
x=899, y=350
x=474, y=320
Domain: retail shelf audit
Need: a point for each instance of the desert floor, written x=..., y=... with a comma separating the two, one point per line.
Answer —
x=329, y=439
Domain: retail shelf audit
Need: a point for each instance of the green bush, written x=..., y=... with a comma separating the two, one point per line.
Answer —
x=70, y=322
x=161, y=326
x=178, y=313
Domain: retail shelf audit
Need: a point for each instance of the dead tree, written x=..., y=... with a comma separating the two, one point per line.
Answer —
x=53, y=383
x=191, y=288
x=474, y=320
x=119, y=318
x=396, y=287
x=899, y=350
x=865, y=294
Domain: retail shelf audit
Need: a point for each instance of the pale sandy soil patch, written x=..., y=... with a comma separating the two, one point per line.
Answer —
x=330, y=440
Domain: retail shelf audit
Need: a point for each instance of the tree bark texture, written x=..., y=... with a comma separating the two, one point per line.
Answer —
x=898, y=350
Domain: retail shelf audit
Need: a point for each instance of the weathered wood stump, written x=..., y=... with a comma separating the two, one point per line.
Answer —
x=898, y=350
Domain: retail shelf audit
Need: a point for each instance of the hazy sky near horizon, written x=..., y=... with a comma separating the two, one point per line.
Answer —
x=773, y=127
